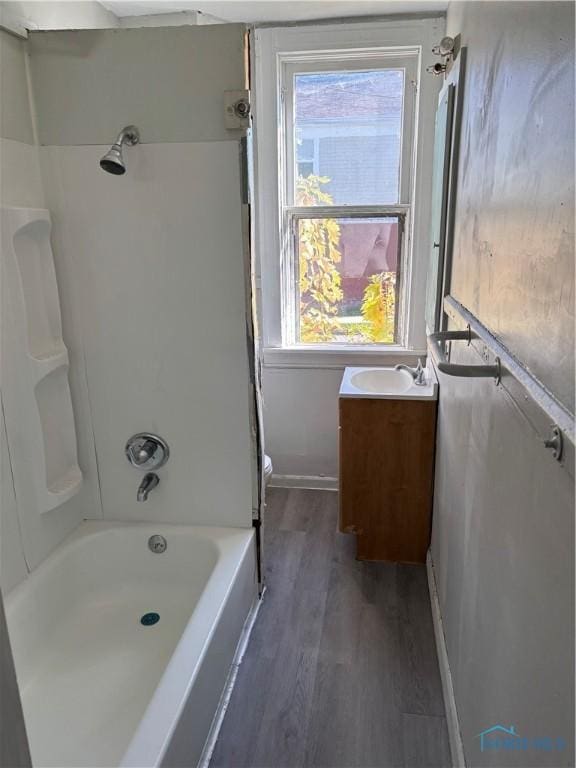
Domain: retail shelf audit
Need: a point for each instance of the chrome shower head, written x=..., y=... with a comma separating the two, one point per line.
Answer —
x=113, y=160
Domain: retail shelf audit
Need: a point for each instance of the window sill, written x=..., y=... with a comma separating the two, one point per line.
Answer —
x=331, y=357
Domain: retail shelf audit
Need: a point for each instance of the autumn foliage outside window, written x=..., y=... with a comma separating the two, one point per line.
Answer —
x=346, y=156
x=334, y=308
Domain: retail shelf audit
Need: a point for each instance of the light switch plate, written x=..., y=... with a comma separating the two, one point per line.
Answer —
x=236, y=109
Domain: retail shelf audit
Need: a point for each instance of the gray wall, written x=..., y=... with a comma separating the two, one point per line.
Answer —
x=514, y=249
x=503, y=529
x=14, y=750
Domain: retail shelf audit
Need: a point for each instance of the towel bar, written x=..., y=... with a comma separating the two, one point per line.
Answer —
x=452, y=369
x=551, y=421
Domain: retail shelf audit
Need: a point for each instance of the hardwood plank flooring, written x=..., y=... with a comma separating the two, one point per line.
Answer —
x=340, y=670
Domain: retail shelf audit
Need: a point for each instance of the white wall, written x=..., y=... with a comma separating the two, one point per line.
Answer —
x=156, y=259
x=151, y=264
x=503, y=525
x=301, y=421
x=301, y=390
x=170, y=82
x=49, y=14
x=20, y=181
x=173, y=19
x=27, y=539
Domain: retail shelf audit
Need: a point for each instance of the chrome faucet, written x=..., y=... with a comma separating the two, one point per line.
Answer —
x=149, y=482
x=418, y=373
x=144, y=452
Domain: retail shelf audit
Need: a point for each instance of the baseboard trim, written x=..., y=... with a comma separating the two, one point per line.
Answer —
x=309, y=482
x=456, y=748
x=204, y=761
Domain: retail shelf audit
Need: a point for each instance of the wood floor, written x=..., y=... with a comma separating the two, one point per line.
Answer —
x=341, y=668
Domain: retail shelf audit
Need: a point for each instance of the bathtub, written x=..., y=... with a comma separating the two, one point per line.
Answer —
x=98, y=687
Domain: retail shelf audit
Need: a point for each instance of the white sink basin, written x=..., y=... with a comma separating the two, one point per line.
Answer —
x=387, y=383
x=382, y=380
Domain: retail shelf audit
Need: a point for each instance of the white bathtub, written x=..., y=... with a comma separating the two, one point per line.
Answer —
x=99, y=688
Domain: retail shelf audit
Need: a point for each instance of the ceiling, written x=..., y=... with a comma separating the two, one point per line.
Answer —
x=266, y=11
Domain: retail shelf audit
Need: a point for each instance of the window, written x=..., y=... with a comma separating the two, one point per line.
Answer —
x=347, y=147
x=305, y=154
x=343, y=136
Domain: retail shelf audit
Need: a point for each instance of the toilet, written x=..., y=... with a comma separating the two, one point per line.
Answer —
x=267, y=469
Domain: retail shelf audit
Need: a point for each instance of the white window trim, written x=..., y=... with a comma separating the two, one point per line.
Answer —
x=273, y=45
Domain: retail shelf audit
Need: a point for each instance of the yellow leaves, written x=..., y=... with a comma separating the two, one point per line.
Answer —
x=378, y=307
x=320, y=284
x=315, y=327
x=319, y=280
x=308, y=191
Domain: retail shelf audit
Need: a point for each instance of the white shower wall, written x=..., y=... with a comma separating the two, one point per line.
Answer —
x=20, y=184
x=23, y=547
x=151, y=264
x=156, y=262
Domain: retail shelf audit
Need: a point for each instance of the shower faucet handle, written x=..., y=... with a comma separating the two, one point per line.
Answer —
x=147, y=451
x=144, y=453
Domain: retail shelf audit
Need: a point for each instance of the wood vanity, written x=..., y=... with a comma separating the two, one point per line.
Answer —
x=386, y=474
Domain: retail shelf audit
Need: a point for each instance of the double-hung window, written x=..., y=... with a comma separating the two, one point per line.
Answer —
x=346, y=178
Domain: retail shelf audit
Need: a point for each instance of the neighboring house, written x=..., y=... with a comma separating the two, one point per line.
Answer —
x=346, y=121
x=367, y=248
x=351, y=120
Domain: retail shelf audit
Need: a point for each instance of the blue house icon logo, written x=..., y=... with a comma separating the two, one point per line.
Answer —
x=498, y=737
x=493, y=738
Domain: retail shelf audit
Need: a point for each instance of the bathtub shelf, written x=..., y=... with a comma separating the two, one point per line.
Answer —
x=36, y=392
x=65, y=487
x=40, y=367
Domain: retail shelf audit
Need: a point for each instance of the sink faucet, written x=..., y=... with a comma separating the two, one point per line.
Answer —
x=416, y=373
x=149, y=482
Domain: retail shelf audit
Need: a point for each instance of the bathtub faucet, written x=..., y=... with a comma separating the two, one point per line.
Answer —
x=149, y=482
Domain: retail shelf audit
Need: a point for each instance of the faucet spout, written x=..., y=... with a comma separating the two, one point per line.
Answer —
x=418, y=374
x=149, y=482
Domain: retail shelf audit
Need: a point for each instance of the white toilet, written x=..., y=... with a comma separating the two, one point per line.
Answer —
x=267, y=469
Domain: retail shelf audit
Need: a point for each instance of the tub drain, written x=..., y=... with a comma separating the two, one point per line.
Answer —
x=150, y=618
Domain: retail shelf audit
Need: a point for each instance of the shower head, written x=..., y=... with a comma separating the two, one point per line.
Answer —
x=113, y=161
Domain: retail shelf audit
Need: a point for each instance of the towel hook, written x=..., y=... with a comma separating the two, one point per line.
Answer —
x=555, y=442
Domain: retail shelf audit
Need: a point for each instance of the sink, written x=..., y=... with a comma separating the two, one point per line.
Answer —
x=387, y=384
x=382, y=380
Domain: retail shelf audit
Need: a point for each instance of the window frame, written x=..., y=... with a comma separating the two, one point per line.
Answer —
x=272, y=47
x=289, y=268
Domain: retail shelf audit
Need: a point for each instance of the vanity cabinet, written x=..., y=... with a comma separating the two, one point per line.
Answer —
x=386, y=476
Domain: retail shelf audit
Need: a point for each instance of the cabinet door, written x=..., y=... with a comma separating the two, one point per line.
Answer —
x=386, y=470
